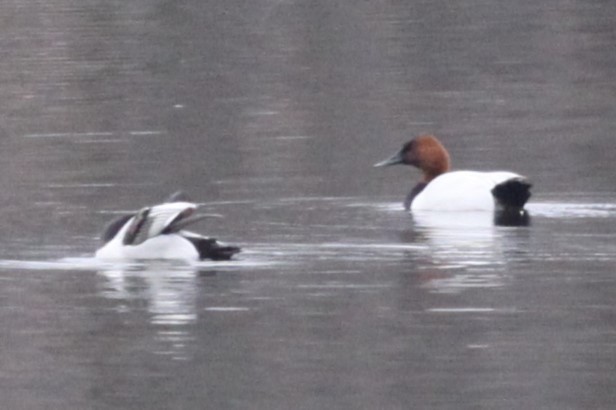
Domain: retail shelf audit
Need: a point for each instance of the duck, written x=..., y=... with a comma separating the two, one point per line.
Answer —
x=441, y=189
x=158, y=232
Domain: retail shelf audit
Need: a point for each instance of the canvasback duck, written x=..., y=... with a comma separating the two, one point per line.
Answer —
x=157, y=232
x=443, y=190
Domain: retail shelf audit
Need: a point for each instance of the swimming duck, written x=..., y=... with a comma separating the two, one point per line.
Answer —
x=443, y=190
x=157, y=232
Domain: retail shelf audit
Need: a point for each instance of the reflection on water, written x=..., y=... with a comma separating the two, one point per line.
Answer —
x=363, y=283
x=573, y=210
x=466, y=250
x=169, y=294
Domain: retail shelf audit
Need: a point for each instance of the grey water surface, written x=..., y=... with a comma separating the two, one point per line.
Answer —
x=272, y=112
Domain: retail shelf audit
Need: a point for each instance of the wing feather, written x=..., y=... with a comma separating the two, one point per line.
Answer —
x=154, y=221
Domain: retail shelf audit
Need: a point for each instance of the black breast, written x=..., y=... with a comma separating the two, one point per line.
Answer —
x=414, y=192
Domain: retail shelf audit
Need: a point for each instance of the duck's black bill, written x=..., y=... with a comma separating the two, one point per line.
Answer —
x=393, y=160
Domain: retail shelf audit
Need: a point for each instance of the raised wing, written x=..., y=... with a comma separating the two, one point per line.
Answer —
x=157, y=220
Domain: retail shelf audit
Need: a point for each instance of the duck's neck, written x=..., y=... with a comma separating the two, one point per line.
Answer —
x=437, y=166
x=434, y=158
x=429, y=176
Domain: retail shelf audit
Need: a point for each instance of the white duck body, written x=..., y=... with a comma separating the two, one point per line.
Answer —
x=156, y=233
x=461, y=191
x=170, y=246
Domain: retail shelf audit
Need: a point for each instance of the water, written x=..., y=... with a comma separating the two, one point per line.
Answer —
x=272, y=113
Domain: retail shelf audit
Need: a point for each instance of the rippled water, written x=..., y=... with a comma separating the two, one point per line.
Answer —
x=271, y=113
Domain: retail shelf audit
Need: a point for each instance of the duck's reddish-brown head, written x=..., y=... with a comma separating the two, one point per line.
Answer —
x=424, y=152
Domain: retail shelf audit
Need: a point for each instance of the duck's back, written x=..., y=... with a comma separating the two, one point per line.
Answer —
x=461, y=191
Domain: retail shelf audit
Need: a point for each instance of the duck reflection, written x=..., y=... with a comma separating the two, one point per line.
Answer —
x=166, y=293
x=450, y=221
x=512, y=217
x=468, y=250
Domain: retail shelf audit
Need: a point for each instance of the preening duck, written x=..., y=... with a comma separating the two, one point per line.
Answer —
x=443, y=190
x=157, y=232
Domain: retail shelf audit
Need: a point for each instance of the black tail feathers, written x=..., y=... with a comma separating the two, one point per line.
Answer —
x=512, y=194
x=210, y=248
